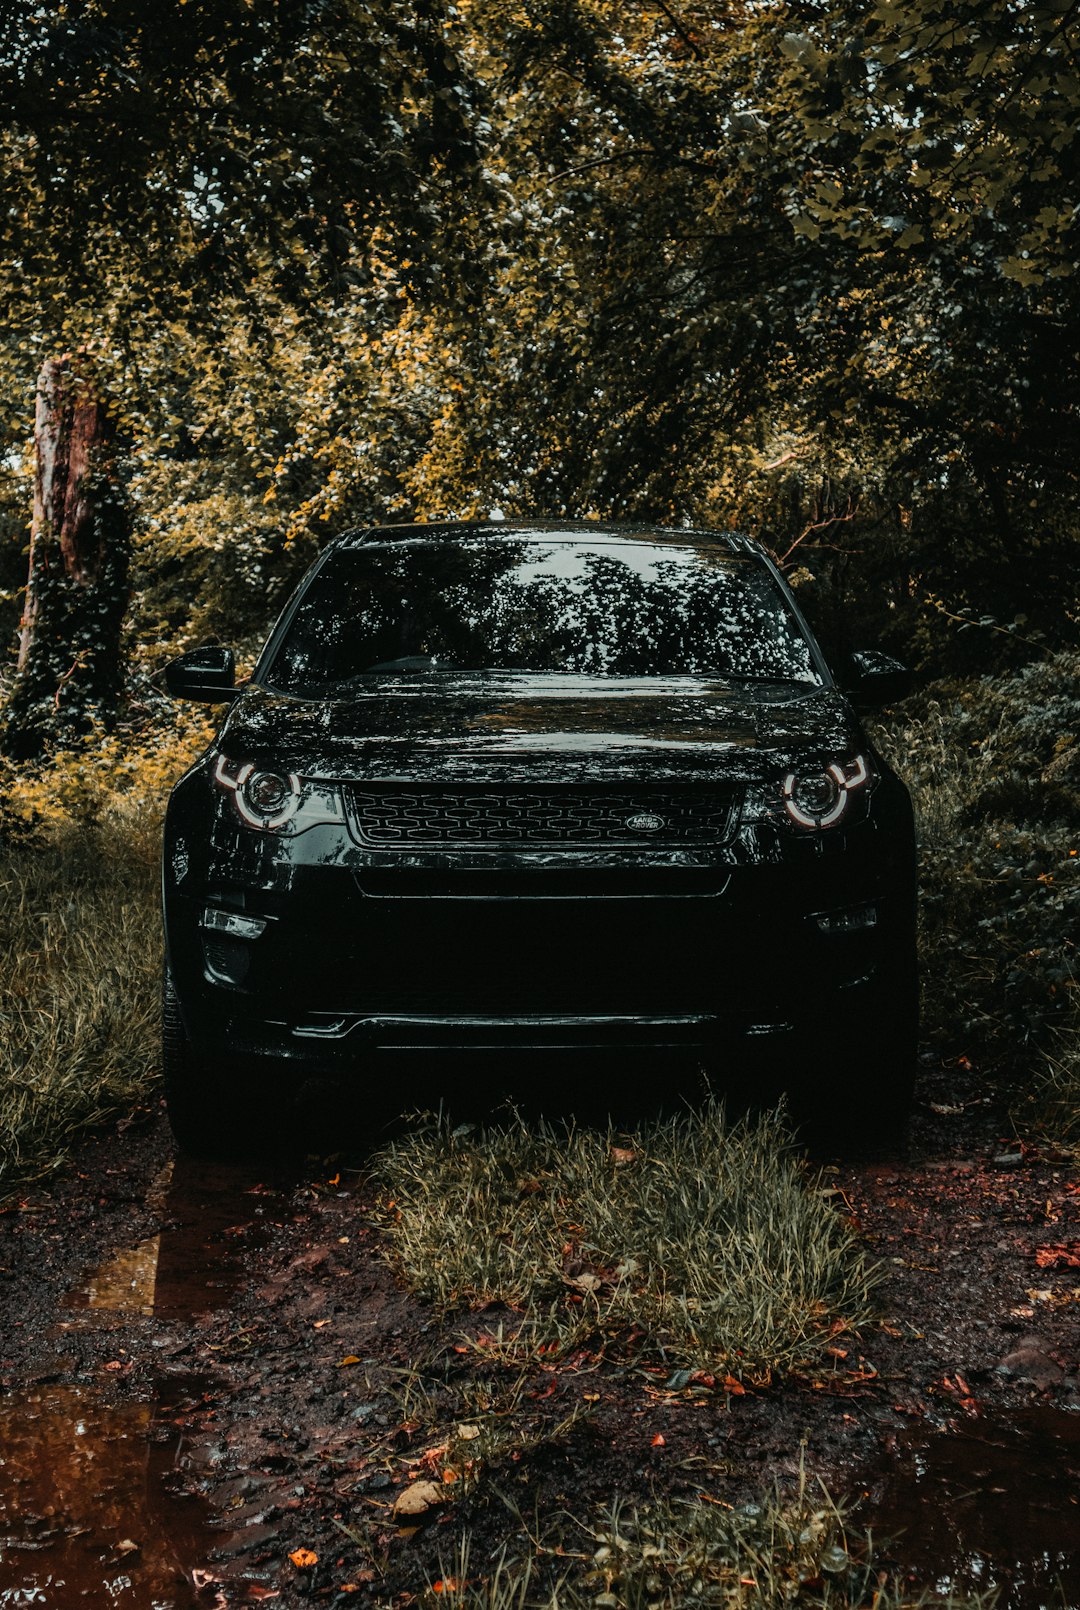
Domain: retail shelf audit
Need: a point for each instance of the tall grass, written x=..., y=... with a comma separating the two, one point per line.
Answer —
x=79, y=980
x=712, y=1240
x=80, y=944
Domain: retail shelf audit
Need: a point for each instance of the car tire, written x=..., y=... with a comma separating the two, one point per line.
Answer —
x=201, y=1097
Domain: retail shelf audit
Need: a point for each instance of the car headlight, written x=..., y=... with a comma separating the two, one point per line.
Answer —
x=817, y=799
x=277, y=801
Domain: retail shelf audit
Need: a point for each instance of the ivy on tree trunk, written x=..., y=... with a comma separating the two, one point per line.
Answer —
x=69, y=670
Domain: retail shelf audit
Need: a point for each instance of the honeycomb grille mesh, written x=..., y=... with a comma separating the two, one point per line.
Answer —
x=438, y=817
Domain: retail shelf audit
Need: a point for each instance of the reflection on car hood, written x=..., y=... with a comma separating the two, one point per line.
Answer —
x=487, y=727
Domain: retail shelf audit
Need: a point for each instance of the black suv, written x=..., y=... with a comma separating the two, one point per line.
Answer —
x=542, y=784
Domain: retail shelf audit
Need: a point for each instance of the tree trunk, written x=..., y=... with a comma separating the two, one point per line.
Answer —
x=69, y=671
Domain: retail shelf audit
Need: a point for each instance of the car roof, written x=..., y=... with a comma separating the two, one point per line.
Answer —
x=553, y=530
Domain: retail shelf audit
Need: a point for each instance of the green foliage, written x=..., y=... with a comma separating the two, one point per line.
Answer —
x=994, y=768
x=709, y=1238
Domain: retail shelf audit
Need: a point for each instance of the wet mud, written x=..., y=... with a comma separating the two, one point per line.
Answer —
x=101, y=1493
x=210, y=1373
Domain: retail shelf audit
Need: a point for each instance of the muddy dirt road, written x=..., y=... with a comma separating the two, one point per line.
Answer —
x=210, y=1393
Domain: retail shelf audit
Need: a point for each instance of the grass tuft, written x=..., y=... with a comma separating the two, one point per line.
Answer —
x=698, y=1552
x=710, y=1239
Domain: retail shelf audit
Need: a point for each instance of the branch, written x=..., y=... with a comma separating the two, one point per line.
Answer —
x=818, y=525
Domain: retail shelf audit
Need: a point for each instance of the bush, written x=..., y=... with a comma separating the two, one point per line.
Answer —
x=994, y=770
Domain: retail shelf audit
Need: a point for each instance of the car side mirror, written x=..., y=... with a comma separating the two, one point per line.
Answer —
x=206, y=673
x=874, y=679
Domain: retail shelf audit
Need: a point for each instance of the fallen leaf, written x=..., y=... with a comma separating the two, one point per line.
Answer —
x=126, y=1546
x=1050, y=1258
x=733, y=1386
x=445, y=1584
x=319, y=1323
x=303, y=1559
x=202, y=1579
x=467, y=1433
x=621, y=1155
x=350, y=1358
x=417, y=1499
x=584, y=1282
x=658, y=1441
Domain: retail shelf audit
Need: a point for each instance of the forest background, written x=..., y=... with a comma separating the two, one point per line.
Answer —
x=807, y=270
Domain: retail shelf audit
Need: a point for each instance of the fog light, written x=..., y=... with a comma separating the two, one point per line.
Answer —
x=847, y=922
x=236, y=923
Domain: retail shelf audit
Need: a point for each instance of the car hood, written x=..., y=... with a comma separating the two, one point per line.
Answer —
x=516, y=726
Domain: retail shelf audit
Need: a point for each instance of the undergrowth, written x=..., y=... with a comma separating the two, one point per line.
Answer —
x=80, y=945
x=708, y=1239
x=994, y=770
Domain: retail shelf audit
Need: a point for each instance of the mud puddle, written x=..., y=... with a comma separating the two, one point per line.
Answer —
x=86, y=1514
x=990, y=1504
x=99, y=1503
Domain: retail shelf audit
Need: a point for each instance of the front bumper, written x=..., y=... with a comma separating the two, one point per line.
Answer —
x=339, y=972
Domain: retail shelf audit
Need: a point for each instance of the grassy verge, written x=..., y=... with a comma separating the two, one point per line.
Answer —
x=710, y=1241
x=80, y=942
x=79, y=931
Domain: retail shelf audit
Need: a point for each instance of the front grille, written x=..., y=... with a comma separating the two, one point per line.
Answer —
x=532, y=818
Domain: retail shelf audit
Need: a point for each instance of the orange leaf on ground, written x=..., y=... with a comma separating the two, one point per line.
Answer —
x=303, y=1559
x=658, y=1441
x=1055, y=1257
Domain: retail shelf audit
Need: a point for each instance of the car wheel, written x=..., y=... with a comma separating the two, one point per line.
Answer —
x=201, y=1097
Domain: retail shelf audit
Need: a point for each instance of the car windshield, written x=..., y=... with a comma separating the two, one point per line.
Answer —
x=593, y=606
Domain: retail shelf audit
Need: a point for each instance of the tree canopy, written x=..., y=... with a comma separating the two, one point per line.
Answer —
x=807, y=269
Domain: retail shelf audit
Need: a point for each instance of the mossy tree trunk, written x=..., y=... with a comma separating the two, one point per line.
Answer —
x=69, y=670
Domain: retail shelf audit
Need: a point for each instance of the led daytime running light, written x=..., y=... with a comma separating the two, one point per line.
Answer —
x=855, y=776
x=236, y=781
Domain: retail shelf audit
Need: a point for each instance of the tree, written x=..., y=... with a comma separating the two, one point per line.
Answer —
x=201, y=195
x=69, y=667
